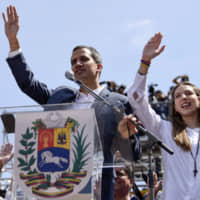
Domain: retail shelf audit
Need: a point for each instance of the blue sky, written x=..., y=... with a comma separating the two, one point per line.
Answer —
x=118, y=29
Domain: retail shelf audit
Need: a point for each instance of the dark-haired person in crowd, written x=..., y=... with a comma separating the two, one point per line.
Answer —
x=121, y=89
x=125, y=187
x=160, y=104
x=181, y=134
x=124, y=180
x=86, y=63
x=111, y=86
x=180, y=78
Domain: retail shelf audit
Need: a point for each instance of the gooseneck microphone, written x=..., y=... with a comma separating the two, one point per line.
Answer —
x=70, y=76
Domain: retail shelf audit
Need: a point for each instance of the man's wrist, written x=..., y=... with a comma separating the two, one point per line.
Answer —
x=14, y=43
x=12, y=54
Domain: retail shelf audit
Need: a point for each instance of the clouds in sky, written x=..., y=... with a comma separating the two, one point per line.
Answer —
x=140, y=30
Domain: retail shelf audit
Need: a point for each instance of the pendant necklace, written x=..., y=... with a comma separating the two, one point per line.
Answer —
x=195, y=171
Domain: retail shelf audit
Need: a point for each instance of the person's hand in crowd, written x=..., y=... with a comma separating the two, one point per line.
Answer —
x=157, y=186
x=97, y=189
x=6, y=153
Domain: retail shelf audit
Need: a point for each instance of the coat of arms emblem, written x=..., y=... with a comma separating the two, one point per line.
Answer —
x=54, y=162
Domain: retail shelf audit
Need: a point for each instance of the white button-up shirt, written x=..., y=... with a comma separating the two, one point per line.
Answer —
x=179, y=182
x=83, y=101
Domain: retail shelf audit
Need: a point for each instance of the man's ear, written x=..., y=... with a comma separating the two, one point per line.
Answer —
x=99, y=67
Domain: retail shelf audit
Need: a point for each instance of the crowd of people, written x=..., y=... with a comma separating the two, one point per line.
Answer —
x=114, y=87
x=177, y=123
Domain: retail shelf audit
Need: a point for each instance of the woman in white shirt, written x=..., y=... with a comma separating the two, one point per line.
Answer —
x=181, y=134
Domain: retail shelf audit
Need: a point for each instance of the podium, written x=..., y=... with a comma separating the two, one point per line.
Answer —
x=58, y=153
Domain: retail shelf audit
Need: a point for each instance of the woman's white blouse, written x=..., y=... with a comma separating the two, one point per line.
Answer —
x=179, y=182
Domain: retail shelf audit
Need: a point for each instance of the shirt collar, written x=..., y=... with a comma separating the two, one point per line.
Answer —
x=97, y=91
x=192, y=131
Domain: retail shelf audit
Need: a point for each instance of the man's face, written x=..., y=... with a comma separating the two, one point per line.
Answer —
x=84, y=66
x=123, y=183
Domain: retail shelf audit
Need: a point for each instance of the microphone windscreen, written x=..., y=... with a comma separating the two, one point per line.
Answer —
x=69, y=75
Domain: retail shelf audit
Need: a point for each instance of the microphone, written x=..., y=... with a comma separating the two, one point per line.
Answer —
x=70, y=76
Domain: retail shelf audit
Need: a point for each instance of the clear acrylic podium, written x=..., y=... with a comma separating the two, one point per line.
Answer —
x=58, y=152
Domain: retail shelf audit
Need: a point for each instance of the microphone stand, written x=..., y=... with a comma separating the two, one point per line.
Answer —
x=92, y=93
x=139, y=127
x=150, y=171
x=154, y=140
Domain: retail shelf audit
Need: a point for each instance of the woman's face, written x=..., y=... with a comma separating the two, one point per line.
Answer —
x=186, y=101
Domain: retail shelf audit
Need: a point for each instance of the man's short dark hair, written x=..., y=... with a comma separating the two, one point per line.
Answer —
x=128, y=168
x=94, y=53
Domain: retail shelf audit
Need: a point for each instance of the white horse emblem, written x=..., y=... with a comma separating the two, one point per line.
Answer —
x=47, y=157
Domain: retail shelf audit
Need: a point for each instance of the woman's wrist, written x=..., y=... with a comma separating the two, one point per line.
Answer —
x=145, y=63
x=146, y=59
x=144, y=66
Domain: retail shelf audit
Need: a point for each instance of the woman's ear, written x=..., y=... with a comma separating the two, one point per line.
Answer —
x=199, y=100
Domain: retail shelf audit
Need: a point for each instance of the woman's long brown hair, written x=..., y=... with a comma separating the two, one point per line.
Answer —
x=179, y=132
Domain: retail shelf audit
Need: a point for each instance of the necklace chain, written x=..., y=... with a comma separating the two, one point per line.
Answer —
x=195, y=171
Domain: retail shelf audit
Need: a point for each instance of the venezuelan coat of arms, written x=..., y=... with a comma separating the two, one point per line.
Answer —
x=54, y=153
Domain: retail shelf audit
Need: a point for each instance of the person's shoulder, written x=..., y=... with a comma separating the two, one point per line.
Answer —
x=64, y=89
x=115, y=94
x=62, y=94
x=119, y=97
